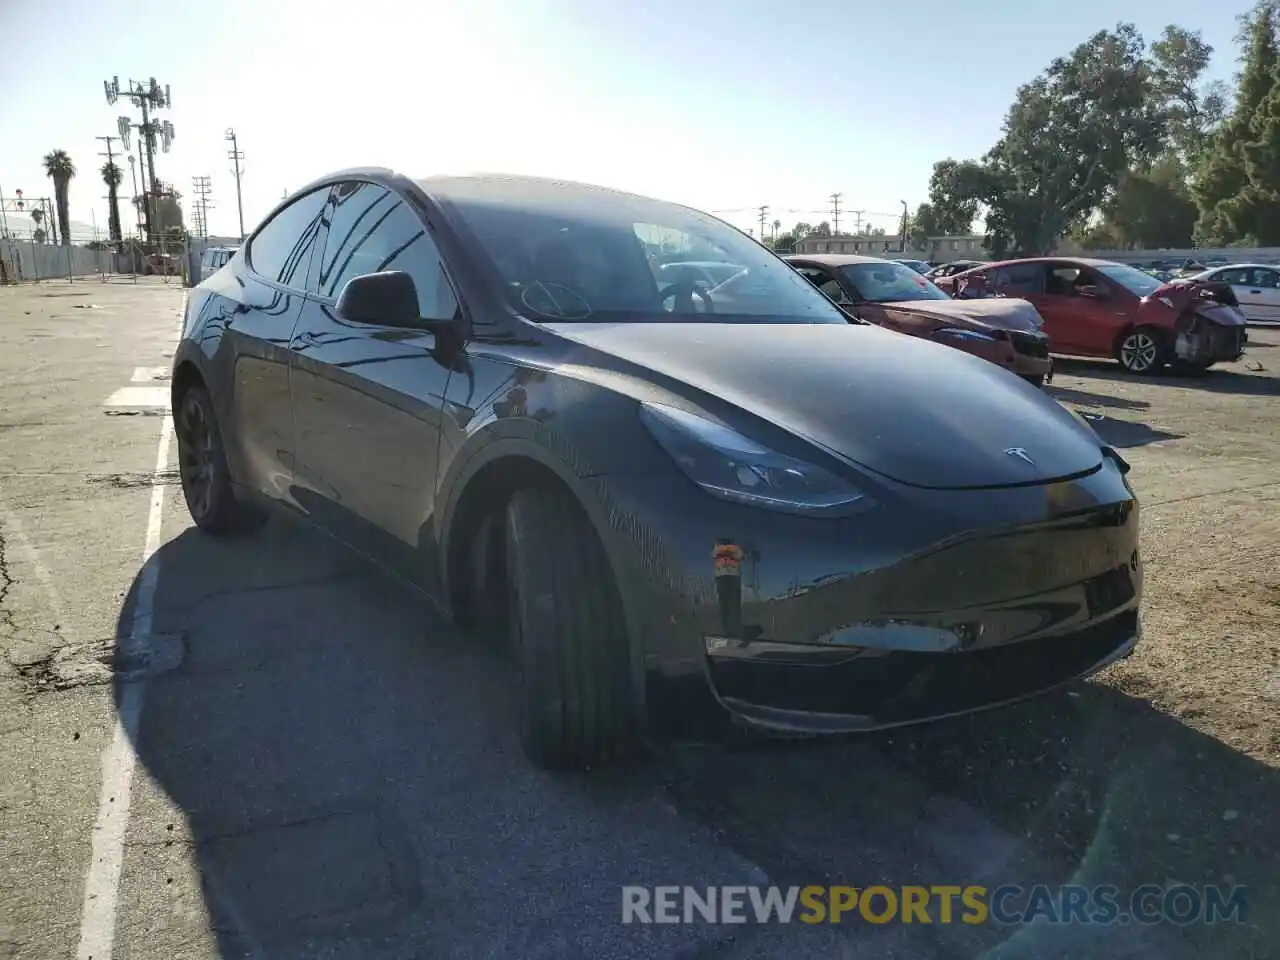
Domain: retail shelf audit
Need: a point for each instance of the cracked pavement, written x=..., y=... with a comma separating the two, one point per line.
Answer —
x=326, y=770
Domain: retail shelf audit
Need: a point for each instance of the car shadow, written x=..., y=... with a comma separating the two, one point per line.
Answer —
x=1090, y=399
x=353, y=786
x=1216, y=380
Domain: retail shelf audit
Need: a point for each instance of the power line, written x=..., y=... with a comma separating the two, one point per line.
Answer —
x=236, y=155
x=114, y=230
x=202, y=187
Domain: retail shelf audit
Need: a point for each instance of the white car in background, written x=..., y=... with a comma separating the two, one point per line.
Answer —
x=1256, y=286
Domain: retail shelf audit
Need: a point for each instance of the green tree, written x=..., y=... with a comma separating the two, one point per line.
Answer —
x=1152, y=208
x=59, y=168
x=1068, y=138
x=112, y=177
x=1221, y=176
x=1192, y=110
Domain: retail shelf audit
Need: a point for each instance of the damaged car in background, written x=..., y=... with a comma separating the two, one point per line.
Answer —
x=890, y=294
x=1096, y=308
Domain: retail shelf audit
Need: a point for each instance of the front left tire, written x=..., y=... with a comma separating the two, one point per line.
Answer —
x=202, y=466
x=568, y=634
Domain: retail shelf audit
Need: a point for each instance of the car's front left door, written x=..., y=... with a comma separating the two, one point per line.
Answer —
x=367, y=398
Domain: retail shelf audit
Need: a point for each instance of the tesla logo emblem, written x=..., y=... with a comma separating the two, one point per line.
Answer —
x=1020, y=454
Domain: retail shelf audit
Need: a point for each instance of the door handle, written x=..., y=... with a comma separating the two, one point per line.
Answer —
x=1255, y=291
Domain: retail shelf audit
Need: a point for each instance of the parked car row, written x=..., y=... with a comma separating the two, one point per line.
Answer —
x=1095, y=308
x=674, y=497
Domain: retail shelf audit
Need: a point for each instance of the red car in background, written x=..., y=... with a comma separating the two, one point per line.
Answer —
x=1096, y=308
x=890, y=294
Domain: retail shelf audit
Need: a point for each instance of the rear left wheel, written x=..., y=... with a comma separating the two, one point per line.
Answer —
x=568, y=634
x=202, y=465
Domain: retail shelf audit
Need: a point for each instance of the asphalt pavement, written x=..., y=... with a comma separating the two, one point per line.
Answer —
x=322, y=768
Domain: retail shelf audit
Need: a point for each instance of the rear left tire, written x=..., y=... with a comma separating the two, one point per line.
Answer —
x=568, y=634
x=202, y=466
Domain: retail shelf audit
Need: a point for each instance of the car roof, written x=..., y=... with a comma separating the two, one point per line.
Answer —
x=1243, y=266
x=522, y=190
x=837, y=259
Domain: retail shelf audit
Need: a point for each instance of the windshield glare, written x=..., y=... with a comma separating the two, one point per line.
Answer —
x=1133, y=280
x=588, y=255
x=890, y=282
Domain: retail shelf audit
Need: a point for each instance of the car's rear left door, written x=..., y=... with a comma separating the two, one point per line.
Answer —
x=367, y=398
x=252, y=367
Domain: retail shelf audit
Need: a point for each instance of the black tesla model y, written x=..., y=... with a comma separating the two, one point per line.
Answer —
x=671, y=495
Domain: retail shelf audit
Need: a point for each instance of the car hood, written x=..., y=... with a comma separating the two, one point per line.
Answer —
x=988, y=313
x=914, y=411
x=1211, y=299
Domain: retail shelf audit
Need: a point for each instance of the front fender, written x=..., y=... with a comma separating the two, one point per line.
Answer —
x=526, y=439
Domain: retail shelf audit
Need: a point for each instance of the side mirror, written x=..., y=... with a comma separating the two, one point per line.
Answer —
x=389, y=298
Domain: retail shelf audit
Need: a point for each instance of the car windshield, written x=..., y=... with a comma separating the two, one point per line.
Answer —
x=890, y=282
x=566, y=252
x=1134, y=280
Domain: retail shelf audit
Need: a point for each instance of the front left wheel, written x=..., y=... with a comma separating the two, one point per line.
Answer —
x=568, y=634
x=1143, y=350
x=202, y=465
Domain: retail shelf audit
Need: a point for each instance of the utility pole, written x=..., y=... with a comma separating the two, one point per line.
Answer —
x=147, y=97
x=857, y=222
x=762, y=212
x=202, y=187
x=835, y=213
x=905, y=221
x=137, y=211
x=114, y=230
x=236, y=155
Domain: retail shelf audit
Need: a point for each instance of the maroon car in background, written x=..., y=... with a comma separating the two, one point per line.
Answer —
x=1096, y=308
x=890, y=294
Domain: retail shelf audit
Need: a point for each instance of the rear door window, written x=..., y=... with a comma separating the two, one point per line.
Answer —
x=281, y=249
x=1020, y=278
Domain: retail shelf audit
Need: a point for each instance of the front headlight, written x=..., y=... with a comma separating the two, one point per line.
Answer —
x=732, y=467
x=955, y=333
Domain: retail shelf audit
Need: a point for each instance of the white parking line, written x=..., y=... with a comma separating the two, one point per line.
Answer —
x=138, y=398
x=149, y=374
x=106, y=859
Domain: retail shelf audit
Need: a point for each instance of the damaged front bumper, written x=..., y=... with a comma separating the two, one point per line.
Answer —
x=1210, y=335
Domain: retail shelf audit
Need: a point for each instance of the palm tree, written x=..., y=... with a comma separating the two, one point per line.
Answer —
x=37, y=217
x=58, y=166
x=112, y=177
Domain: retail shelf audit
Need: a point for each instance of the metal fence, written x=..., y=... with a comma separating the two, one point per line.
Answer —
x=25, y=261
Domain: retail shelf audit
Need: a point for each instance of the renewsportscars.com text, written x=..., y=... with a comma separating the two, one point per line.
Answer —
x=1009, y=904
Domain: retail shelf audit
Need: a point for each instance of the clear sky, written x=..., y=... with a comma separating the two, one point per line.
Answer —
x=721, y=104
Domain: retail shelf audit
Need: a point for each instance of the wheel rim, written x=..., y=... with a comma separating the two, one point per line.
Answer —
x=197, y=455
x=1138, y=351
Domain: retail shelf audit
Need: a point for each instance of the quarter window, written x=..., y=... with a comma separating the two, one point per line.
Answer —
x=372, y=229
x=281, y=249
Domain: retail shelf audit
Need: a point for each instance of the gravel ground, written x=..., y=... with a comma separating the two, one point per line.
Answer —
x=1206, y=465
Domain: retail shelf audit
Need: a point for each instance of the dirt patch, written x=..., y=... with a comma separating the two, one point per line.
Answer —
x=1206, y=466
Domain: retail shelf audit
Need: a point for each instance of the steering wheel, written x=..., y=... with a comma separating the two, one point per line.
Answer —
x=682, y=293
